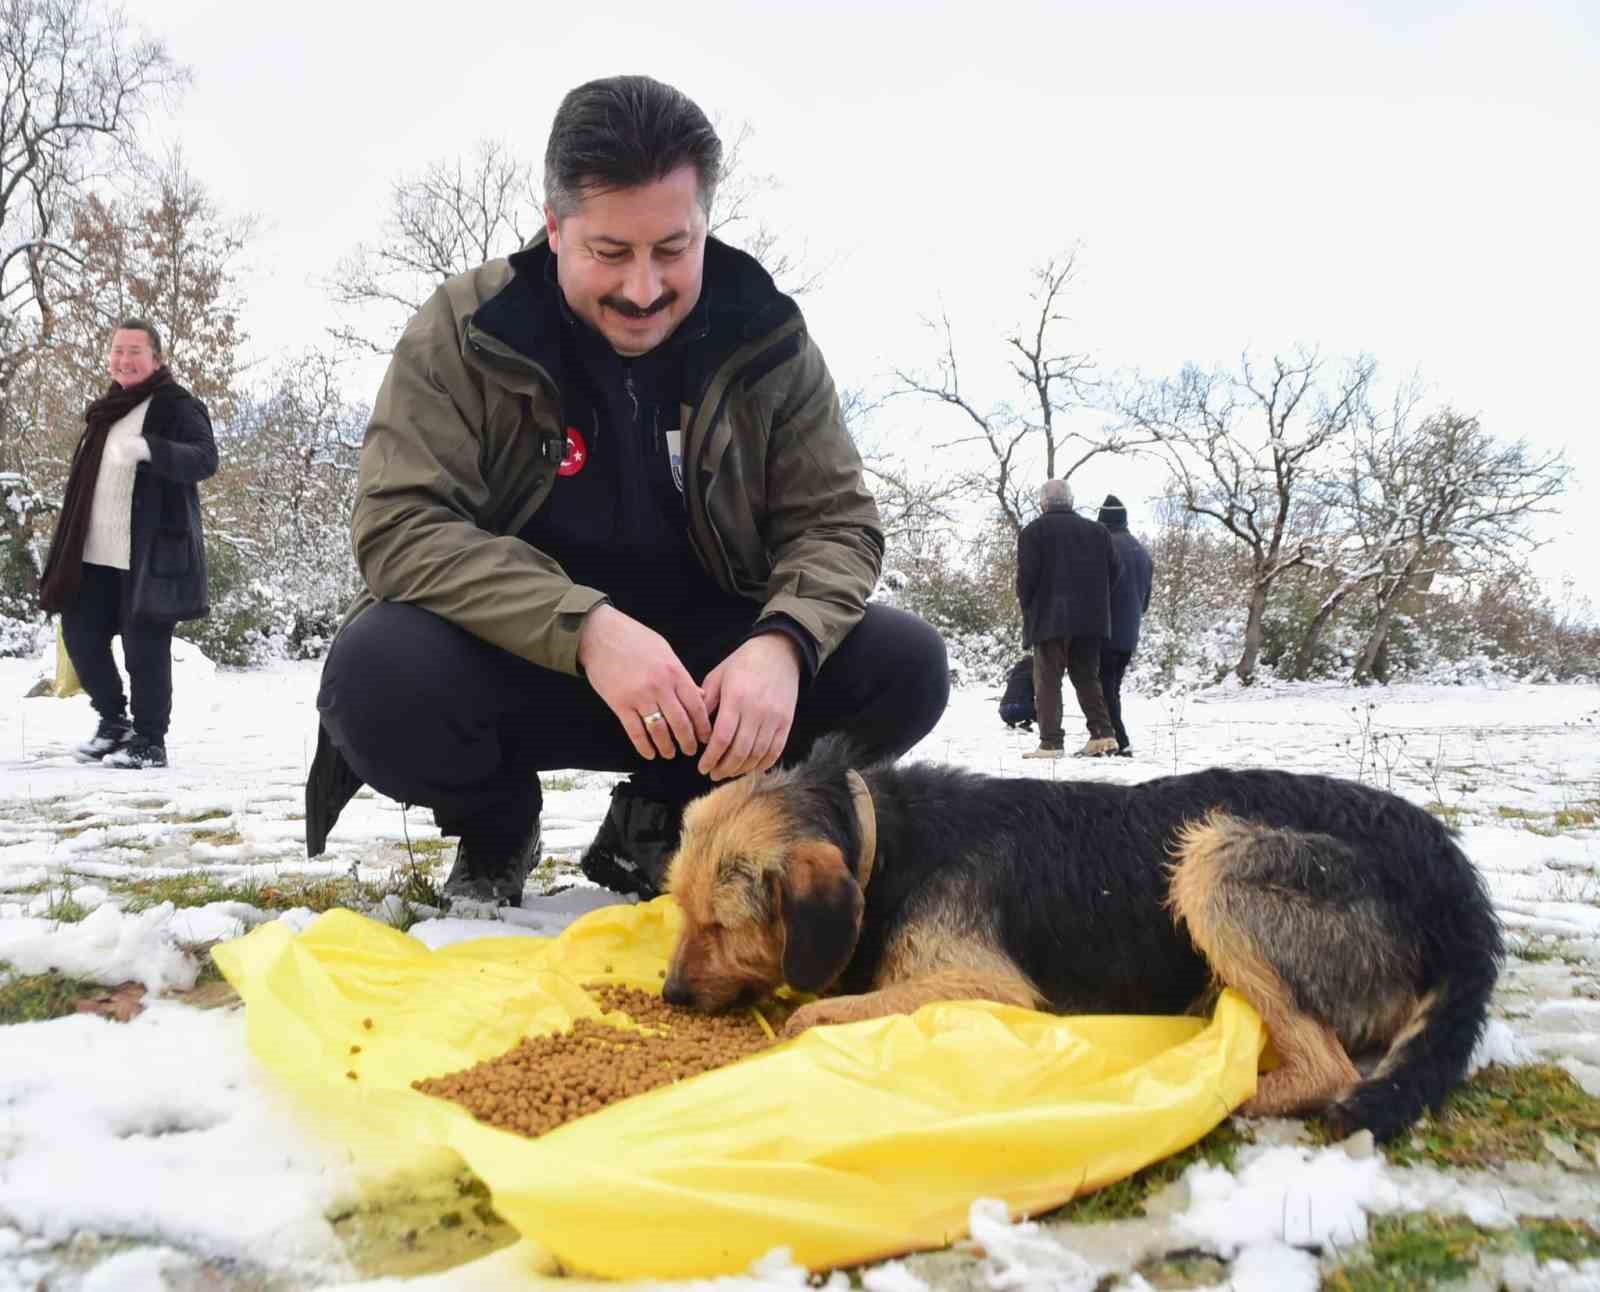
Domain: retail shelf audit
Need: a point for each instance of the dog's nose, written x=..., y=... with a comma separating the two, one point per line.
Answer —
x=676, y=992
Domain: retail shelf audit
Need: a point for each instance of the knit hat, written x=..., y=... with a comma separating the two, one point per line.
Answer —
x=1113, y=515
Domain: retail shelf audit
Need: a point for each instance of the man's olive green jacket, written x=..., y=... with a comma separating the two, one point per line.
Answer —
x=466, y=436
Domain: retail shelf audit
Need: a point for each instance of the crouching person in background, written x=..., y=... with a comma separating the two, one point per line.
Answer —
x=128, y=556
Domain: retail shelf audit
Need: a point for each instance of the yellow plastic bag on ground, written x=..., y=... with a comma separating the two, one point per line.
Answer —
x=66, y=682
x=847, y=1144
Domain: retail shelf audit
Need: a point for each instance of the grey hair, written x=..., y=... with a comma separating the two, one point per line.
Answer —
x=1055, y=495
x=626, y=132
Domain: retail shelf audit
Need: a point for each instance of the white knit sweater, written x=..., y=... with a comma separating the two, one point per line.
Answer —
x=111, y=514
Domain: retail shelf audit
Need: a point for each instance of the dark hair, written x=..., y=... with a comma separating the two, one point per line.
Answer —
x=625, y=132
x=139, y=325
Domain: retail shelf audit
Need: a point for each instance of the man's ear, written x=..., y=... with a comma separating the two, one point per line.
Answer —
x=552, y=227
x=822, y=906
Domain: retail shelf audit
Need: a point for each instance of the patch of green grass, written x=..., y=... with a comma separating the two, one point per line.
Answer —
x=1125, y=1198
x=320, y=894
x=1503, y=1114
x=39, y=997
x=1558, y=1240
x=65, y=909
x=219, y=838
x=1453, y=817
x=414, y=883
x=1184, y=1270
x=1420, y=1251
x=192, y=888
x=1575, y=818
x=197, y=888
x=1417, y=1251
x=546, y=873
x=558, y=783
x=1516, y=814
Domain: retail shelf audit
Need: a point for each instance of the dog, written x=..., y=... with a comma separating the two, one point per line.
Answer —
x=1349, y=918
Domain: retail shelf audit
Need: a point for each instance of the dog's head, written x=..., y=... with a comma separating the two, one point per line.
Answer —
x=767, y=894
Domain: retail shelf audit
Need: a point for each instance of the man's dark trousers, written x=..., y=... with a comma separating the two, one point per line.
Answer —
x=1079, y=659
x=426, y=713
x=1113, y=664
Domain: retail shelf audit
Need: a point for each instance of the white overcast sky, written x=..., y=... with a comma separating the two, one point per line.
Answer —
x=1414, y=178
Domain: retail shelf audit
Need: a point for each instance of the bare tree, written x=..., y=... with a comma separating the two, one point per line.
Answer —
x=1460, y=501
x=736, y=217
x=458, y=213
x=169, y=254
x=1254, y=484
x=76, y=80
x=282, y=500
x=1055, y=379
x=1363, y=499
x=915, y=507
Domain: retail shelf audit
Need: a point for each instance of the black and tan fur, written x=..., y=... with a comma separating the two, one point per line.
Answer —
x=1346, y=916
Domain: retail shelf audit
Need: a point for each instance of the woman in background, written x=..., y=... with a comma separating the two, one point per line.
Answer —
x=128, y=557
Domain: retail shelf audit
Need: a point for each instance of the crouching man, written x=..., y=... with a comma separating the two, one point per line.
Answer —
x=608, y=517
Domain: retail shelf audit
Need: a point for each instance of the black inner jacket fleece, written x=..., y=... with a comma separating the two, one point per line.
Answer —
x=619, y=523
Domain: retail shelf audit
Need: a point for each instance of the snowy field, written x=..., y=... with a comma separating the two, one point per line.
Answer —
x=156, y=1153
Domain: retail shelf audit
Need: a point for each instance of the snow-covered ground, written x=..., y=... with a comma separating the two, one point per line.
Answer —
x=157, y=1153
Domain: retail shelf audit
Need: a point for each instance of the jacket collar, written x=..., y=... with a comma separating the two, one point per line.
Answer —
x=738, y=303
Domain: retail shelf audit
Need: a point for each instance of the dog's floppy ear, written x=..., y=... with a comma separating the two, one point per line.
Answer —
x=822, y=907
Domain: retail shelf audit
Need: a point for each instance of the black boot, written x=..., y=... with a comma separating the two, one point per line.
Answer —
x=490, y=873
x=635, y=842
x=139, y=753
x=111, y=735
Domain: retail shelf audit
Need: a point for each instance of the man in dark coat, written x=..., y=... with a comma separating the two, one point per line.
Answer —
x=1066, y=566
x=1130, y=598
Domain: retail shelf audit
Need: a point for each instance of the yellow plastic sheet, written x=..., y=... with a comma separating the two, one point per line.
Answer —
x=846, y=1144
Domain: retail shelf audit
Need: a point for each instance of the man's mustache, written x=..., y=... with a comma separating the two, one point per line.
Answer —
x=628, y=309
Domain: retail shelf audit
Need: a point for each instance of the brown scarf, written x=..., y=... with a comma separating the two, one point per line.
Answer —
x=63, y=567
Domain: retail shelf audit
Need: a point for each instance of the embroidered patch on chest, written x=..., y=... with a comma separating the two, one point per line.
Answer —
x=675, y=457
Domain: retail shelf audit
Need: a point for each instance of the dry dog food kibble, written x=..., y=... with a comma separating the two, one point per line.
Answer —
x=544, y=1081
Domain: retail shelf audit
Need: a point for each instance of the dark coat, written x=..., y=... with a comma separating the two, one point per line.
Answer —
x=1130, y=598
x=167, y=552
x=1066, y=565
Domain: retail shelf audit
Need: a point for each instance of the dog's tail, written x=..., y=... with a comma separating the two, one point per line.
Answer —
x=1430, y=1054
x=1426, y=1060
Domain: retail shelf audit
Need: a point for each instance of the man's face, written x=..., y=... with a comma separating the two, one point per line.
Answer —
x=132, y=358
x=630, y=261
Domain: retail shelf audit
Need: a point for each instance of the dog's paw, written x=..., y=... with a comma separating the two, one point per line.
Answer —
x=819, y=1013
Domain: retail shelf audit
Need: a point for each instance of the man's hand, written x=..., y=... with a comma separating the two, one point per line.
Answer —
x=638, y=675
x=753, y=694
